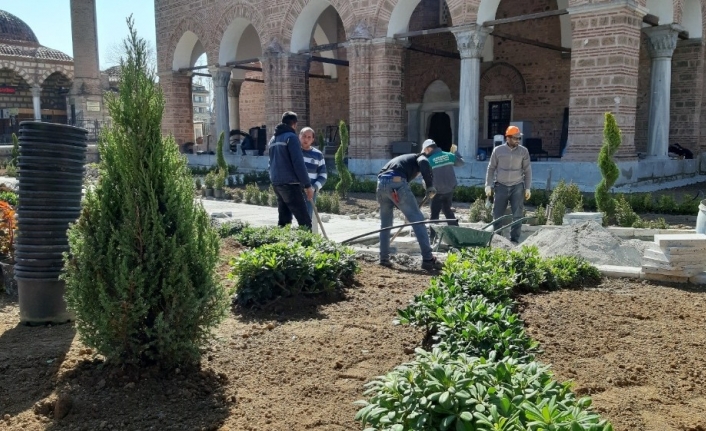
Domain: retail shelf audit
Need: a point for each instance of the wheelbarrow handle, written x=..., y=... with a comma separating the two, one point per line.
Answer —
x=349, y=240
x=505, y=217
x=516, y=222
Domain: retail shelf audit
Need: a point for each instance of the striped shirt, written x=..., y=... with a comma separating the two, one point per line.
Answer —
x=316, y=167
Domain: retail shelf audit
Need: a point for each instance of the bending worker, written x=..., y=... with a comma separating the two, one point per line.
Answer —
x=393, y=191
x=442, y=165
x=510, y=174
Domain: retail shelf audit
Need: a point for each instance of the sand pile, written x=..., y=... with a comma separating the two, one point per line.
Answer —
x=590, y=241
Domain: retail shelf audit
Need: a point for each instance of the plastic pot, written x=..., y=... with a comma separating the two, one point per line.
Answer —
x=50, y=165
x=37, y=145
x=47, y=196
x=53, y=232
x=39, y=275
x=28, y=264
x=22, y=241
x=42, y=301
x=57, y=212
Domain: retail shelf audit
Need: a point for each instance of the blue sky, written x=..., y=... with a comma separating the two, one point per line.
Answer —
x=51, y=22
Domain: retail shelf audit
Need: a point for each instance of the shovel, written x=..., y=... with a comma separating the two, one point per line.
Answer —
x=407, y=221
x=318, y=219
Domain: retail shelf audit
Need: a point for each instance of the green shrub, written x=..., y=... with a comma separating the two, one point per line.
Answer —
x=140, y=275
x=667, y=205
x=558, y=213
x=344, y=174
x=220, y=157
x=539, y=197
x=254, y=237
x=624, y=215
x=479, y=213
x=569, y=195
x=441, y=391
x=251, y=195
x=210, y=180
x=15, y=153
x=608, y=167
x=328, y=203
x=10, y=197
x=259, y=177
x=272, y=197
x=230, y=228
x=291, y=269
x=570, y=271
x=264, y=199
x=541, y=215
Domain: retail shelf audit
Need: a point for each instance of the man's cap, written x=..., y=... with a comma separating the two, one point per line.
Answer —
x=428, y=143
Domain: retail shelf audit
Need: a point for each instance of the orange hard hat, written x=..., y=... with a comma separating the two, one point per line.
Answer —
x=513, y=130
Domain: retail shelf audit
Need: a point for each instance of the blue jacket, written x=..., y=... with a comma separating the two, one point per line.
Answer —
x=286, y=159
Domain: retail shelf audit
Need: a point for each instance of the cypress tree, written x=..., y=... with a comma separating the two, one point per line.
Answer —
x=608, y=167
x=140, y=274
x=344, y=184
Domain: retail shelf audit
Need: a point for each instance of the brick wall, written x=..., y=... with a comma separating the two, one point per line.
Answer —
x=252, y=102
x=687, y=94
x=604, y=65
x=178, y=109
x=22, y=97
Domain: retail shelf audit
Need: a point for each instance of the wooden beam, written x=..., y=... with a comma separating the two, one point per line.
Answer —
x=319, y=48
x=335, y=61
x=422, y=32
x=526, y=41
x=261, y=81
x=251, y=68
x=653, y=20
x=246, y=61
x=208, y=75
x=527, y=17
x=187, y=69
x=435, y=52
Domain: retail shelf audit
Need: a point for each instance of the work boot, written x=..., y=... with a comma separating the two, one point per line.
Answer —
x=386, y=263
x=432, y=265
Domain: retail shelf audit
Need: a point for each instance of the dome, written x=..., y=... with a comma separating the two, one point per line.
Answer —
x=13, y=29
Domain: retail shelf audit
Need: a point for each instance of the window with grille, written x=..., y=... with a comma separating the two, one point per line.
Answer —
x=444, y=14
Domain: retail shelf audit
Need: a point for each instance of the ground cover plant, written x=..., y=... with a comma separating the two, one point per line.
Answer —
x=285, y=262
x=140, y=275
x=478, y=371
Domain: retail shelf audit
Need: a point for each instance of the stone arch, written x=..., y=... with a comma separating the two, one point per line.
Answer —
x=506, y=72
x=182, y=41
x=692, y=18
x=20, y=71
x=393, y=16
x=663, y=9
x=235, y=22
x=303, y=14
x=68, y=74
x=436, y=92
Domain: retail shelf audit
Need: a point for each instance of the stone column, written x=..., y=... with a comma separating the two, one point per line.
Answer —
x=604, y=69
x=86, y=92
x=377, y=112
x=221, y=79
x=286, y=80
x=470, y=40
x=37, y=103
x=661, y=42
x=178, y=118
x=234, y=102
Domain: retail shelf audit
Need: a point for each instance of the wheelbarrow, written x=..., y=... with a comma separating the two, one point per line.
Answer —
x=462, y=237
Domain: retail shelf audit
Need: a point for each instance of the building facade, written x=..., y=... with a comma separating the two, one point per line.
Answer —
x=201, y=101
x=34, y=80
x=458, y=71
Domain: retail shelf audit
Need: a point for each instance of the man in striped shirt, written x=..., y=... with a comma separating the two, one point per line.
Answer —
x=315, y=165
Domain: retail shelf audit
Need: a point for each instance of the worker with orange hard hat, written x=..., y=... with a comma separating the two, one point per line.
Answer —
x=509, y=174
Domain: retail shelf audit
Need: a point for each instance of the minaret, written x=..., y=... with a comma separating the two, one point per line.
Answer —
x=86, y=97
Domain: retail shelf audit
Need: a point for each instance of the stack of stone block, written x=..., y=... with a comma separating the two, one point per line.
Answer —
x=675, y=258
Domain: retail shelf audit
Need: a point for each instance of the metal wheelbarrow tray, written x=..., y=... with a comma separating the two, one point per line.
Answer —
x=462, y=237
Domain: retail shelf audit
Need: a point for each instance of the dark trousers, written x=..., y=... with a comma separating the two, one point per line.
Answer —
x=290, y=201
x=515, y=196
x=441, y=202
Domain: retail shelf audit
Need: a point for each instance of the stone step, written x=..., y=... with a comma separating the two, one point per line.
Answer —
x=692, y=240
x=685, y=272
x=659, y=256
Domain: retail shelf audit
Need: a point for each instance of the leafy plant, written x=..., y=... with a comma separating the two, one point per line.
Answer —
x=9, y=196
x=15, y=153
x=558, y=213
x=221, y=180
x=441, y=391
x=210, y=180
x=220, y=157
x=254, y=237
x=320, y=141
x=231, y=228
x=341, y=169
x=479, y=213
x=8, y=228
x=608, y=167
x=291, y=269
x=624, y=214
x=328, y=203
x=541, y=215
x=140, y=275
x=197, y=183
x=568, y=194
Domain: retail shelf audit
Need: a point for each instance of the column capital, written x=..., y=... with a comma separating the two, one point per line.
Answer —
x=234, y=87
x=471, y=39
x=220, y=76
x=36, y=91
x=662, y=40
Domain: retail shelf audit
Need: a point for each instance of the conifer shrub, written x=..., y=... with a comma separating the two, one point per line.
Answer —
x=346, y=179
x=140, y=275
x=608, y=167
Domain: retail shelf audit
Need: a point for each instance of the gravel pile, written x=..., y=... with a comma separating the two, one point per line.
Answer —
x=590, y=241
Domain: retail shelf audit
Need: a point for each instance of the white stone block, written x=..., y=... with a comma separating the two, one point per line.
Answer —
x=677, y=251
x=681, y=240
x=682, y=272
x=664, y=278
x=619, y=271
x=698, y=278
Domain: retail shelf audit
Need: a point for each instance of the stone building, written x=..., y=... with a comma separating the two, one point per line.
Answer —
x=457, y=70
x=34, y=79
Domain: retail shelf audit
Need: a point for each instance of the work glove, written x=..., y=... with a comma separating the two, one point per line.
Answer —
x=431, y=192
x=527, y=194
x=454, y=148
x=488, y=191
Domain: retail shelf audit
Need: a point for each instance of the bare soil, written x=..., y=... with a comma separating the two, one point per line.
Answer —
x=300, y=365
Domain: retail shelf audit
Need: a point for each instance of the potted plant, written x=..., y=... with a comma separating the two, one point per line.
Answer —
x=197, y=183
x=209, y=181
x=8, y=228
x=220, y=184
